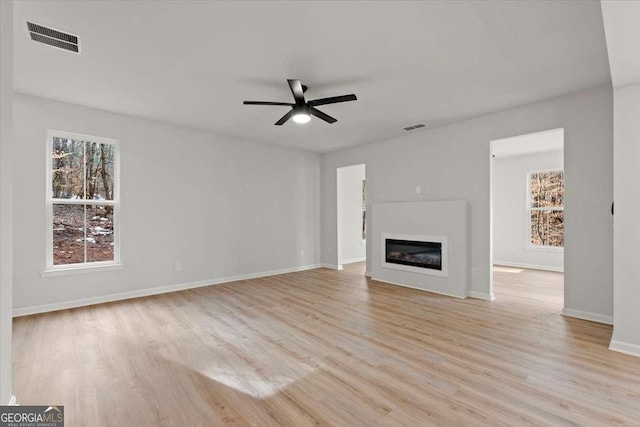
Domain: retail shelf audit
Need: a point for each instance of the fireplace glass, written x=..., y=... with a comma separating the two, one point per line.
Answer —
x=414, y=253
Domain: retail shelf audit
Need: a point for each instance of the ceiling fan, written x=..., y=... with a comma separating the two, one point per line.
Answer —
x=301, y=110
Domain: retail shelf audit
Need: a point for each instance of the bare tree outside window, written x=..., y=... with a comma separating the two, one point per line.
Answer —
x=546, y=208
x=82, y=201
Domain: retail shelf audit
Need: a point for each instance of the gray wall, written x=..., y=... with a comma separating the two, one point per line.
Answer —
x=352, y=247
x=6, y=88
x=221, y=207
x=626, y=332
x=511, y=216
x=452, y=162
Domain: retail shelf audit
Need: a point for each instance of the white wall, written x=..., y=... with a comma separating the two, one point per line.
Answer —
x=452, y=162
x=510, y=214
x=622, y=32
x=352, y=247
x=221, y=207
x=626, y=332
x=6, y=88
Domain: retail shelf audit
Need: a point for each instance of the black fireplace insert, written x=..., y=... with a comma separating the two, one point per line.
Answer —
x=414, y=253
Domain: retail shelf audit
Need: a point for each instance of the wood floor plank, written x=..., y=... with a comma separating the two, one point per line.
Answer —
x=323, y=347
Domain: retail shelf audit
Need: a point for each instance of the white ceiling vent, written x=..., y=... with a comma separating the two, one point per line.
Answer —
x=53, y=37
x=418, y=126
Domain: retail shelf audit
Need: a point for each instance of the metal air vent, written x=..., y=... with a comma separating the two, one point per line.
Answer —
x=53, y=37
x=418, y=126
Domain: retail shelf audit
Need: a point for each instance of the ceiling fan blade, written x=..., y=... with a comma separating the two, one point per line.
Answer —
x=333, y=100
x=296, y=90
x=319, y=114
x=284, y=118
x=267, y=103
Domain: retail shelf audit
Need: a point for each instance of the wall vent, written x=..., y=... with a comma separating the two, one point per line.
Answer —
x=418, y=126
x=53, y=37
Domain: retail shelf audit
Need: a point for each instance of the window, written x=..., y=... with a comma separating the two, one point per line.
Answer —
x=82, y=201
x=546, y=209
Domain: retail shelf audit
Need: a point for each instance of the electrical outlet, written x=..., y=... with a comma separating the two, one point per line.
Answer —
x=178, y=266
x=474, y=271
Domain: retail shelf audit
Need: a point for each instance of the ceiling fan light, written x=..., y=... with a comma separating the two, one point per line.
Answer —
x=301, y=118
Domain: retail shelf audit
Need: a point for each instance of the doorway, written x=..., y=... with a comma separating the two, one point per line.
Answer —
x=352, y=212
x=527, y=216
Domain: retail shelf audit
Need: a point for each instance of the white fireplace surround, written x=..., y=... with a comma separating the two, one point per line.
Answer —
x=423, y=220
x=444, y=272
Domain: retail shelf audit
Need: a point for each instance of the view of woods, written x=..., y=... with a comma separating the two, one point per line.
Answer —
x=82, y=185
x=546, y=202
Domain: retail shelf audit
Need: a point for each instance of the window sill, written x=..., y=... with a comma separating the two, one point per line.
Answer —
x=544, y=248
x=66, y=271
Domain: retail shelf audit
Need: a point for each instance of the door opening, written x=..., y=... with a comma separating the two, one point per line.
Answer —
x=527, y=216
x=352, y=212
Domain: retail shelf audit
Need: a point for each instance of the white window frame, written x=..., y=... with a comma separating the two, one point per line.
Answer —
x=54, y=270
x=528, y=209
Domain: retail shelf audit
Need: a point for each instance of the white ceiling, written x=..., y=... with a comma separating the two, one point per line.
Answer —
x=193, y=63
x=622, y=26
x=539, y=142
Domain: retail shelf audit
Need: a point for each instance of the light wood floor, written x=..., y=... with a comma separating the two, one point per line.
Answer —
x=329, y=348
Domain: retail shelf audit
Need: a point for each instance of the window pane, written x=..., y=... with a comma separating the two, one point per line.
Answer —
x=547, y=228
x=99, y=233
x=67, y=169
x=547, y=189
x=68, y=234
x=99, y=170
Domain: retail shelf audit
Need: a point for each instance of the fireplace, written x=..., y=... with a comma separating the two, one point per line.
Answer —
x=419, y=254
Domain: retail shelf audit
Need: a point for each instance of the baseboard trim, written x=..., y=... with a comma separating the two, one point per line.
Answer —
x=13, y=401
x=528, y=266
x=367, y=274
x=25, y=311
x=419, y=289
x=625, y=347
x=585, y=315
x=482, y=295
x=331, y=266
x=352, y=260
